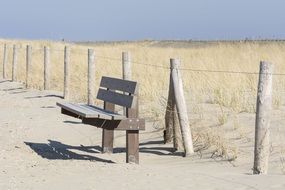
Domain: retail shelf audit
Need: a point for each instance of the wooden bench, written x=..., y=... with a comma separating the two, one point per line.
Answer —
x=113, y=92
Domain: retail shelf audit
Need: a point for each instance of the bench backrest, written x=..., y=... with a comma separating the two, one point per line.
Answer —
x=118, y=92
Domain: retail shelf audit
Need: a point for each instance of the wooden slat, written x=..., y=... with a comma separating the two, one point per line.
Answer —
x=103, y=112
x=76, y=109
x=87, y=111
x=119, y=84
x=116, y=98
x=125, y=124
x=66, y=112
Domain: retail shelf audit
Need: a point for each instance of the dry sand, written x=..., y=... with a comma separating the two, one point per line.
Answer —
x=43, y=149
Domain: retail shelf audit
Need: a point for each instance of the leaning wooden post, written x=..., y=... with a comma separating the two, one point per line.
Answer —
x=5, y=61
x=66, y=72
x=262, y=121
x=91, y=76
x=172, y=132
x=28, y=64
x=181, y=107
x=177, y=138
x=127, y=71
x=46, y=68
x=168, y=118
x=14, y=64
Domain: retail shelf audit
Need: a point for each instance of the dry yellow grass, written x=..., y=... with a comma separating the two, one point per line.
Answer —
x=236, y=92
x=227, y=89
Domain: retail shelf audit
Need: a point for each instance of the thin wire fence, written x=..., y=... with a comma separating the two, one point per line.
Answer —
x=84, y=52
x=202, y=112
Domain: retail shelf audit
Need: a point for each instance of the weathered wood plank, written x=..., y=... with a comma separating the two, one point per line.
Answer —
x=116, y=98
x=104, y=114
x=126, y=124
x=88, y=111
x=119, y=84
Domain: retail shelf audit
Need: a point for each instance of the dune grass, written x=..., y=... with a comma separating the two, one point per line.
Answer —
x=227, y=89
x=150, y=67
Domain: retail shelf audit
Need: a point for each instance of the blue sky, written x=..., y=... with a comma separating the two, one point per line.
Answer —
x=94, y=20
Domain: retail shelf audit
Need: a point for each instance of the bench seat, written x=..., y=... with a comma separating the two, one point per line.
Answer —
x=88, y=111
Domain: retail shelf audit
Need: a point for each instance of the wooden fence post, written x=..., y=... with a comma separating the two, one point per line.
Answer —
x=91, y=76
x=262, y=122
x=66, y=72
x=5, y=61
x=127, y=71
x=46, y=68
x=14, y=64
x=177, y=137
x=126, y=60
x=168, y=118
x=28, y=64
x=181, y=107
x=172, y=132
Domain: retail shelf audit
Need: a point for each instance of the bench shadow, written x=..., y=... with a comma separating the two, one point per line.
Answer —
x=152, y=142
x=55, y=150
x=51, y=107
x=153, y=147
x=161, y=151
x=73, y=122
x=45, y=96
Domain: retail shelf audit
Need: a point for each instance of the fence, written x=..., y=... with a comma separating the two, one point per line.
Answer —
x=63, y=71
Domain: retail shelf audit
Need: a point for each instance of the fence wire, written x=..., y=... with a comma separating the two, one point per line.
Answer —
x=85, y=52
x=209, y=114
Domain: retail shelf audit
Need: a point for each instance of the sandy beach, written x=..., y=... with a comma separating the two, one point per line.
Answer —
x=43, y=149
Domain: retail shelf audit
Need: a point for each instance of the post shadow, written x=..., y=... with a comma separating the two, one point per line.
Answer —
x=45, y=96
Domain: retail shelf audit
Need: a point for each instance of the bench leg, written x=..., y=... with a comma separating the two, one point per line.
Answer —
x=107, y=141
x=132, y=143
